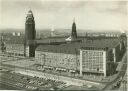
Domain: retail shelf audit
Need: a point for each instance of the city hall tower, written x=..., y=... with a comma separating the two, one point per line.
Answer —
x=30, y=35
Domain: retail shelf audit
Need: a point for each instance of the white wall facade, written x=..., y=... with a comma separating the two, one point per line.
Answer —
x=87, y=61
x=15, y=49
x=93, y=61
x=68, y=61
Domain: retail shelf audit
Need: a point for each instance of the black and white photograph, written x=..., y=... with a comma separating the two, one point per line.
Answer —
x=63, y=45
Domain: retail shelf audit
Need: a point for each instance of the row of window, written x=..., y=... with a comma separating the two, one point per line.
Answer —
x=93, y=59
x=16, y=54
x=92, y=64
x=91, y=54
x=59, y=61
x=92, y=67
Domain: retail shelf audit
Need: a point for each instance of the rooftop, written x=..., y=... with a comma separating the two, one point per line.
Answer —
x=73, y=47
x=66, y=47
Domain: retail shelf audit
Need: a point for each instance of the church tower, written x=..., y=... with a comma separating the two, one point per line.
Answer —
x=74, y=33
x=30, y=35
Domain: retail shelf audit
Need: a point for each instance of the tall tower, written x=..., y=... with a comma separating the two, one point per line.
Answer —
x=30, y=35
x=74, y=33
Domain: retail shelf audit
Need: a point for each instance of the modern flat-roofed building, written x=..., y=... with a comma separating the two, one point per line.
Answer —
x=91, y=56
x=93, y=60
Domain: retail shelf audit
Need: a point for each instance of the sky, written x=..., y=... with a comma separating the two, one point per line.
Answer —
x=89, y=14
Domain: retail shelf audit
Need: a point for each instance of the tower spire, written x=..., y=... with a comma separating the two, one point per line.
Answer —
x=74, y=33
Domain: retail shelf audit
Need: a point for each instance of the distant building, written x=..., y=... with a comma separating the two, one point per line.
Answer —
x=52, y=32
x=18, y=34
x=14, y=34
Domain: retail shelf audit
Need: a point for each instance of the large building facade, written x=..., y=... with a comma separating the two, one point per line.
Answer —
x=93, y=60
x=82, y=58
